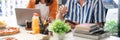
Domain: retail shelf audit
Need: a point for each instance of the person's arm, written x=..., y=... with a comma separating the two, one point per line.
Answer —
x=59, y=15
x=64, y=12
x=99, y=13
x=61, y=12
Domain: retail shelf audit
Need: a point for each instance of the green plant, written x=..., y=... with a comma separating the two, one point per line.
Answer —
x=58, y=26
x=111, y=26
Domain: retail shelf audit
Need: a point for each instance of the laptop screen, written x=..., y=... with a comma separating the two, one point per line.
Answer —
x=23, y=14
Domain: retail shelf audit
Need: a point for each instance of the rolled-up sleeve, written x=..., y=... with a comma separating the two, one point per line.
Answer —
x=68, y=5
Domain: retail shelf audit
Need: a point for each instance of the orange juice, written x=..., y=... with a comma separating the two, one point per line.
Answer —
x=35, y=24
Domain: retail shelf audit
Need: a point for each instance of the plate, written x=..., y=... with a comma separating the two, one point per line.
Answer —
x=9, y=31
x=8, y=38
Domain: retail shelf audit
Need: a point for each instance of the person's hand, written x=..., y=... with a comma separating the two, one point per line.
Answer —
x=50, y=19
x=71, y=24
x=62, y=9
x=100, y=24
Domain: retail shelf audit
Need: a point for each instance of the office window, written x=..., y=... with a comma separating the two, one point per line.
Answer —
x=8, y=10
x=8, y=6
x=111, y=24
x=0, y=9
x=119, y=20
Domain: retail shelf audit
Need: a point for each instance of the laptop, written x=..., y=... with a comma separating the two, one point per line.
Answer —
x=23, y=14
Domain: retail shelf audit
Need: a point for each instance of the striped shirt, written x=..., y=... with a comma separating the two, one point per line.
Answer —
x=92, y=11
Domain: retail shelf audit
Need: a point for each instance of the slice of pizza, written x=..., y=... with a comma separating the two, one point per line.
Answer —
x=11, y=30
x=1, y=33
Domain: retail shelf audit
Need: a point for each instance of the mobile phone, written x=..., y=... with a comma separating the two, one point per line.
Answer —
x=70, y=22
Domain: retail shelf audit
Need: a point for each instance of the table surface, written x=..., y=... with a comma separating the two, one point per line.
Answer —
x=24, y=35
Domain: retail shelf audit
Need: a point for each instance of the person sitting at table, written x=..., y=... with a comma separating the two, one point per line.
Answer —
x=82, y=11
x=47, y=7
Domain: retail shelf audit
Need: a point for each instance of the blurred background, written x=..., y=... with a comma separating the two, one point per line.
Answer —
x=7, y=12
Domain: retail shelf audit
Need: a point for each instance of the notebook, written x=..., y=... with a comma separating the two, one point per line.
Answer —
x=23, y=14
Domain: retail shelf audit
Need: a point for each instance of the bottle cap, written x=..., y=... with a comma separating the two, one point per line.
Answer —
x=35, y=14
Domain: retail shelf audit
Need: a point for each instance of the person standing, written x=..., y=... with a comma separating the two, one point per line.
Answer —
x=83, y=11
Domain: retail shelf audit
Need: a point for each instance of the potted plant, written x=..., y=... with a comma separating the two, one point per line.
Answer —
x=111, y=26
x=59, y=28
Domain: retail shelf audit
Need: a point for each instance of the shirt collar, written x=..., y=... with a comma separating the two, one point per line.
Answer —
x=86, y=1
x=76, y=1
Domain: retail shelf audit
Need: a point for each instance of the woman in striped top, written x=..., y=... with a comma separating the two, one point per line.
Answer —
x=83, y=11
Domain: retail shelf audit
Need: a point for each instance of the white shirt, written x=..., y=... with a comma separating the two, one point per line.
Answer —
x=43, y=9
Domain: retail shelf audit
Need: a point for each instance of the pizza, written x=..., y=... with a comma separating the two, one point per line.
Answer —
x=10, y=38
x=9, y=31
x=1, y=32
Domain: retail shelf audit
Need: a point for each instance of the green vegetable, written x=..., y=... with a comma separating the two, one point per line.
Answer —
x=58, y=26
x=111, y=26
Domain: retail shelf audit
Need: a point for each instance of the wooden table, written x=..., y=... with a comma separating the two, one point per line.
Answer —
x=24, y=35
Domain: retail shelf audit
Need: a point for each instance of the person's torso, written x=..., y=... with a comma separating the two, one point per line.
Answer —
x=82, y=14
x=43, y=9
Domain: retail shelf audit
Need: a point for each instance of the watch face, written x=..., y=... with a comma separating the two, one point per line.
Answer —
x=109, y=4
